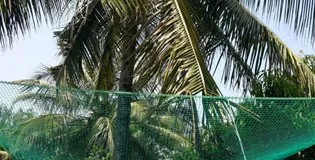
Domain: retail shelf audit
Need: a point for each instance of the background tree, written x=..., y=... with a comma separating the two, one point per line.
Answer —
x=9, y=120
x=274, y=83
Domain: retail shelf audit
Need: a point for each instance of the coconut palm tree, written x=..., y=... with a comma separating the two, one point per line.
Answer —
x=170, y=46
x=67, y=124
x=158, y=129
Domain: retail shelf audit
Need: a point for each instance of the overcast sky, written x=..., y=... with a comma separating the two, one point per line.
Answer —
x=39, y=47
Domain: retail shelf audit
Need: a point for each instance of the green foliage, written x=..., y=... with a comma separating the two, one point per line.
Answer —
x=213, y=142
x=275, y=83
x=175, y=42
x=298, y=117
x=186, y=154
x=309, y=60
x=10, y=120
x=98, y=153
x=270, y=112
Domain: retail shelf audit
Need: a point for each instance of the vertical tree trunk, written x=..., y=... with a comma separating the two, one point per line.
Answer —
x=196, y=133
x=121, y=137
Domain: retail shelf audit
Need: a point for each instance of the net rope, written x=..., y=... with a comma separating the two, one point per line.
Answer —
x=47, y=123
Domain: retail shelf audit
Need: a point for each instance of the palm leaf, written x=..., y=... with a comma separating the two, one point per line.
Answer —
x=17, y=17
x=77, y=43
x=174, y=46
x=102, y=133
x=47, y=130
x=50, y=99
x=88, y=46
x=296, y=13
x=140, y=151
x=127, y=8
x=258, y=46
x=217, y=46
x=48, y=73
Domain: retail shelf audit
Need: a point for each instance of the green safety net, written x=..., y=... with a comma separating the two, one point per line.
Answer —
x=46, y=123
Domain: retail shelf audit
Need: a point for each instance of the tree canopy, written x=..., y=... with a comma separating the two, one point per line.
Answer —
x=163, y=46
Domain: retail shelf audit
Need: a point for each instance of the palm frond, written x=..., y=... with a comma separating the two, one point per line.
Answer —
x=258, y=46
x=52, y=99
x=32, y=81
x=102, y=133
x=154, y=136
x=170, y=133
x=47, y=130
x=217, y=46
x=49, y=74
x=296, y=13
x=174, y=46
x=86, y=44
x=140, y=151
x=17, y=17
x=127, y=8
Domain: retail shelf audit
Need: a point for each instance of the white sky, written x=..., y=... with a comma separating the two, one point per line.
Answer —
x=28, y=54
x=39, y=47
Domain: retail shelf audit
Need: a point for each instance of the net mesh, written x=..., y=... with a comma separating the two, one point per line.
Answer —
x=40, y=123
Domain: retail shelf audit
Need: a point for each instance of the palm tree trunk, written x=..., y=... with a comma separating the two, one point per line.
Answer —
x=196, y=133
x=121, y=138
